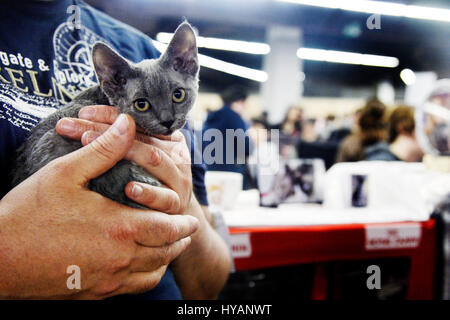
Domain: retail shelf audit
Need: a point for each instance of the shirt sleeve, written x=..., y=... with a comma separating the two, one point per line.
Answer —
x=198, y=167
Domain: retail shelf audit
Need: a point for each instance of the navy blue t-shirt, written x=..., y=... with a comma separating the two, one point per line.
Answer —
x=223, y=119
x=45, y=60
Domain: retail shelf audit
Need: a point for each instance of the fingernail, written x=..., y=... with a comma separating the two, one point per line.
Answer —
x=121, y=125
x=187, y=241
x=194, y=222
x=67, y=126
x=87, y=113
x=136, y=191
x=89, y=136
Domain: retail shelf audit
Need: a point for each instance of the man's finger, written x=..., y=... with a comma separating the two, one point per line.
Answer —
x=157, y=198
x=99, y=113
x=73, y=128
x=108, y=114
x=156, y=162
x=148, y=259
x=176, y=136
x=104, y=152
x=139, y=282
x=151, y=158
x=155, y=229
x=89, y=136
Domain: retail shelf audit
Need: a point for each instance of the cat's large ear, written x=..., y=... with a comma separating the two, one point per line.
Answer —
x=112, y=70
x=181, y=54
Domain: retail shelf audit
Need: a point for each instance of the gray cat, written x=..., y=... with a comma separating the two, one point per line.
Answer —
x=157, y=93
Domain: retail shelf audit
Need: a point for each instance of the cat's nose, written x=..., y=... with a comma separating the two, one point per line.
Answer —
x=167, y=124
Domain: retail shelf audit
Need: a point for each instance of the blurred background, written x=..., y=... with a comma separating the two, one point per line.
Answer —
x=321, y=88
x=343, y=81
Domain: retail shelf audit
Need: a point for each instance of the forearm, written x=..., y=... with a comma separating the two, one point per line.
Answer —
x=24, y=272
x=203, y=268
x=5, y=256
x=18, y=266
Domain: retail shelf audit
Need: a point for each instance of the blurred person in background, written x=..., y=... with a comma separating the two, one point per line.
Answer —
x=327, y=125
x=341, y=131
x=263, y=119
x=309, y=130
x=403, y=144
x=435, y=127
x=264, y=154
x=370, y=135
x=230, y=116
x=290, y=130
x=292, y=123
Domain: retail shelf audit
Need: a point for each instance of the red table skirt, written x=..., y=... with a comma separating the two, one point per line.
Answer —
x=263, y=247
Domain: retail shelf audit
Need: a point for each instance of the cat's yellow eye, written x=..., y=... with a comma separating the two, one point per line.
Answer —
x=141, y=105
x=178, y=95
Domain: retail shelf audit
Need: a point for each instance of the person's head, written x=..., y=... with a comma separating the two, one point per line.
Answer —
x=258, y=131
x=401, y=122
x=235, y=97
x=262, y=120
x=372, y=122
x=264, y=116
x=402, y=134
x=294, y=114
x=292, y=123
x=258, y=124
x=309, y=129
x=330, y=118
x=355, y=117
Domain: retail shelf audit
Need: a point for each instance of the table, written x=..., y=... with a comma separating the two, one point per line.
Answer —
x=263, y=246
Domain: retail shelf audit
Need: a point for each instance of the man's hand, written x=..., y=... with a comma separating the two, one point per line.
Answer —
x=166, y=158
x=51, y=221
x=196, y=280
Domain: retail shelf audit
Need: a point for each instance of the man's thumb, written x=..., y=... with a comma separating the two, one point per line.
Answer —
x=104, y=152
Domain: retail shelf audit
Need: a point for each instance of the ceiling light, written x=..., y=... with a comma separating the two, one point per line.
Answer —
x=222, y=44
x=380, y=7
x=347, y=57
x=408, y=76
x=216, y=64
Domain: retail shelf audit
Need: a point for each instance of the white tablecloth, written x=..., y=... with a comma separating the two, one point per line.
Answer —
x=247, y=212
